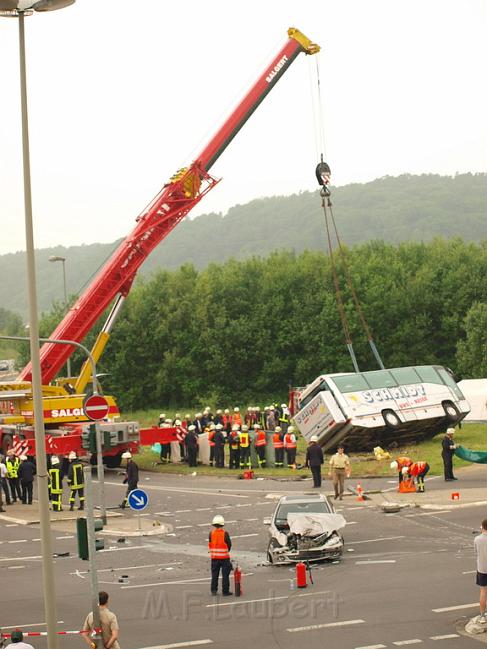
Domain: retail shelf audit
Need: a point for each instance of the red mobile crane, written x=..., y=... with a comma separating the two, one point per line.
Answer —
x=63, y=405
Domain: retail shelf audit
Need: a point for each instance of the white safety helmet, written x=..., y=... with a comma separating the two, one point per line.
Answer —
x=54, y=460
x=219, y=412
x=283, y=405
x=199, y=414
x=227, y=411
x=177, y=422
x=257, y=408
x=207, y=409
x=192, y=427
x=291, y=429
x=212, y=426
x=255, y=426
x=249, y=409
x=245, y=427
x=450, y=431
x=23, y=458
x=72, y=456
x=168, y=421
x=162, y=415
x=187, y=416
x=235, y=427
x=177, y=416
x=394, y=465
x=278, y=429
x=313, y=438
x=271, y=408
x=219, y=426
x=126, y=455
x=404, y=470
x=236, y=409
x=218, y=520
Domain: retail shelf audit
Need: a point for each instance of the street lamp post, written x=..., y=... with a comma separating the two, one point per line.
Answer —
x=9, y=8
x=55, y=258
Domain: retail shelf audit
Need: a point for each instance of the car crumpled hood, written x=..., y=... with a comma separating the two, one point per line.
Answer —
x=315, y=524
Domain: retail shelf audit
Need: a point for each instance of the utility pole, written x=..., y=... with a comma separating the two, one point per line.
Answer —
x=90, y=523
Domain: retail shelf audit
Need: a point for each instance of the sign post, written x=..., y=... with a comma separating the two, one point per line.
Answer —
x=96, y=407
x=138, y=499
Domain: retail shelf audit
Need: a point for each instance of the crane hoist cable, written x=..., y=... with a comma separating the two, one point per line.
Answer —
x=323, y=174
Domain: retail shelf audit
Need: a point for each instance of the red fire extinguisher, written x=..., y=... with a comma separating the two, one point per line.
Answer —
x=237, y=577
x=301, y=575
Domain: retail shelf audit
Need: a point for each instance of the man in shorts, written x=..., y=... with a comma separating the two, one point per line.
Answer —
x=480, y=544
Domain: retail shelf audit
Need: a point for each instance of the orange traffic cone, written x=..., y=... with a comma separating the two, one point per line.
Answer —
x=360, y=493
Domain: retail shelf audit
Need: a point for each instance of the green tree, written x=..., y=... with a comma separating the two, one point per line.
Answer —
x=472, y=352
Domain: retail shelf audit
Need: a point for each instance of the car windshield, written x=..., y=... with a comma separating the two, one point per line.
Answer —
x=315, y=507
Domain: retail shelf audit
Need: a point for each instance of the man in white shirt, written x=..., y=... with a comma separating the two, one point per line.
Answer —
x=3, y=484
x=17, y=638
x=480, y=545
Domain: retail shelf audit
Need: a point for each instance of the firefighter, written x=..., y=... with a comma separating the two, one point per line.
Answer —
x=260, y=443
x=417, y=470
x=55, y=485
x=227, y=421
x=12, y=463
x=237, y=417
x=131, y=478
x=165, y=455
x=290, y=444
x=211, y=444
x=219, y=418
x=219, y=546
x=399, y=463
x=278, y=442
x=284, y=418
x=191, y=442
x=234, y=443
x=76, y=482
x=244, y=443
x=250, y=417
x=260, y=418
x=219, y=441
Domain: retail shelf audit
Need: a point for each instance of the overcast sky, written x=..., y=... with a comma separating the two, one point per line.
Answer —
x=122, y=94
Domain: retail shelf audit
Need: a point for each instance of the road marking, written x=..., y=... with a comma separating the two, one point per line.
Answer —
x=400, y=643
x=182, y=511
x=199, y=492
x=224, y=507
x=251, y=519
x=15, y=567
x=384, y=538
x=11, y=525
x=149, y=565
x=313, y=627
x=352, y=522
x=183, y=527
x=444, y=637
x=21, y=559
x=243, y=536
x=469, y=572
x=372, y=646
x=20, y=626
x=365, y=563
x=175, y=645
x=163, y=514
x=207, y=509
x=18, y=541
x=59, y=538
x=248, y=601
x=244, y=505
x=454, y=608
x=181, y=581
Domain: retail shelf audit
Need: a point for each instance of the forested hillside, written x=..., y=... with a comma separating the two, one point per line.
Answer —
x=406, y=208
x=241, y=331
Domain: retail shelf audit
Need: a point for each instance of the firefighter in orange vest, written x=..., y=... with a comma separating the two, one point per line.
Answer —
x=290, y=444
x=399, y=463
x=211, y=443
x=244, y=443
x=219, y=546
x=417, y=470
x=260, y=443
x=278, y=442
x=233, y=442
x=237, y=417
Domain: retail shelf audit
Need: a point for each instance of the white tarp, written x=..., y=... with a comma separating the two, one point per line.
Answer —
x=475, y=392
x=315, y=524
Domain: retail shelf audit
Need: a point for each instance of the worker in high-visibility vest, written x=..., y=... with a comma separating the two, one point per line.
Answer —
x=55, y=485
x=12, y=463
x=278, y=442
x=219, y=546
x=290, y=444
x=284, y=418
x=260, y=443
x=399, y=464
x=234, y=443
x=417, y=470
x=237, y=417
x=76, y=482
x=244, y=444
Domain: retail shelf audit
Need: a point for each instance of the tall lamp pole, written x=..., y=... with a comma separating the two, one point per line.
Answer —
x=55, y=258
x=11, y=8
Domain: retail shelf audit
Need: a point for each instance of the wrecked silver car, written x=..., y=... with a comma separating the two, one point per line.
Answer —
x=304, y=528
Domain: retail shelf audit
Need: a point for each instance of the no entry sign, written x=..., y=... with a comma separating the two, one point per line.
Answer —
x=96, y=407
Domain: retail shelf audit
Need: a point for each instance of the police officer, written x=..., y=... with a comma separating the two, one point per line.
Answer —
x=448, y=447
x=131, y=478
x=219, y=546
x=27, y=472
x=314, y=460
x=12, y=463
x=76, y=482
x=55, y=485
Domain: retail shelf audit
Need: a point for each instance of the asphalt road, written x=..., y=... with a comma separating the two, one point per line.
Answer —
x=405, y=578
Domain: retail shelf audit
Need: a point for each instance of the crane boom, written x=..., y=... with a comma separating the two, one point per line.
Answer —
x=183, y=191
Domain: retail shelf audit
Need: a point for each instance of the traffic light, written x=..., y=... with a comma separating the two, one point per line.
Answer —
x=88, y=439
x=110, y=438
x=82, y=534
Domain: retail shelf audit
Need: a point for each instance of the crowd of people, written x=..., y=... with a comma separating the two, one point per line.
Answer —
x=229, y=429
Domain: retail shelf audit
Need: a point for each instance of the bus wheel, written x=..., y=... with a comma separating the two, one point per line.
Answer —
x=391, y=419
x=450, y=410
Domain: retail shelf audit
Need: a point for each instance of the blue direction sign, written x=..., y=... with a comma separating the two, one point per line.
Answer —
x=138, y=499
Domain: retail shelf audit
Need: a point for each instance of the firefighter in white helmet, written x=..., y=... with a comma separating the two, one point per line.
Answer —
x=55, y=485
x=131, y=478
x=219, y=546
x=76, y=482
